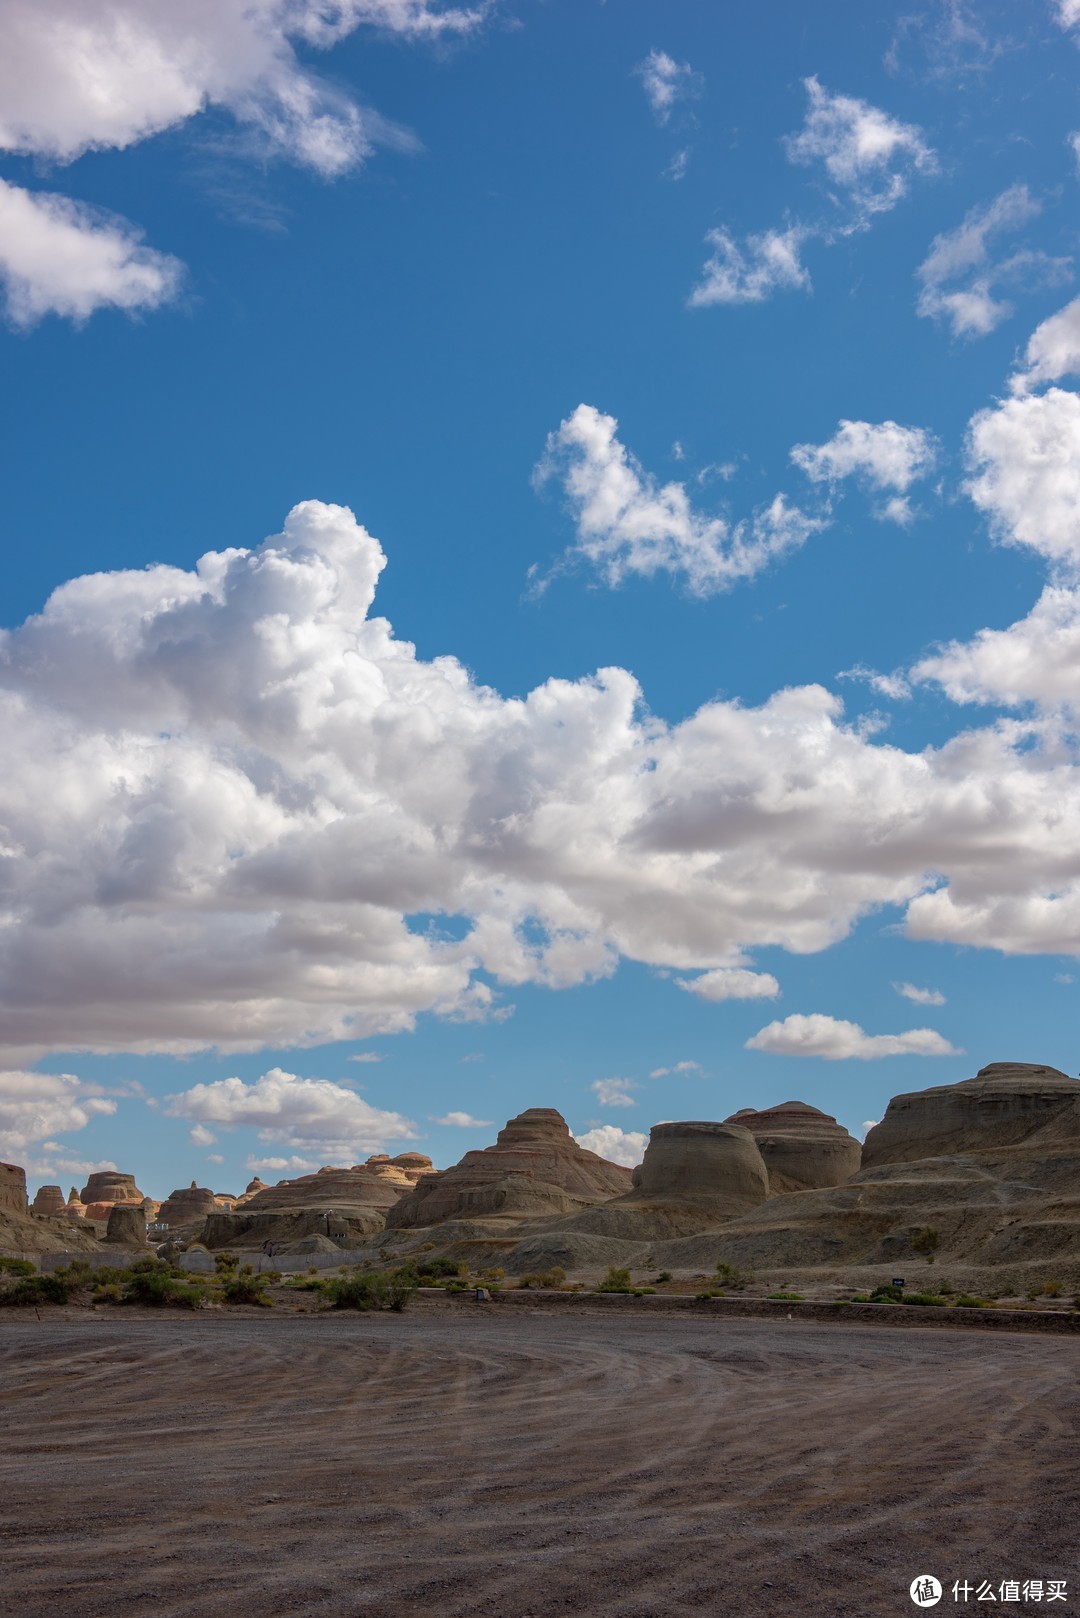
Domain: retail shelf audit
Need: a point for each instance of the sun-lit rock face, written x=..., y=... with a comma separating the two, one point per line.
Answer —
x=110, y=1186
x=1008, y=1104
x=12, y=1188
x=48, y=1200
x=344, y=1204
x=802, y=1149
x=535, y=1167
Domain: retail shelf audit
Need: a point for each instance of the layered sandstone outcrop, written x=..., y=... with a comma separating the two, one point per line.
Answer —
x=22, y=1231
x=991, y=1165
x=108, y=1186
x=694, y=1176
x=1008, y=1104
x=186, y=1207
x=802, y=1149
x=49, y=1199
x=344, y=1205
x=535, y=1167
x=127, y=1226
x=12, y=1188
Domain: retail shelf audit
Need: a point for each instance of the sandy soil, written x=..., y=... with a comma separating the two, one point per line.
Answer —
x=190, y=1466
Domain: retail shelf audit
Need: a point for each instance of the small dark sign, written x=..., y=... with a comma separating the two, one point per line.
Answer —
x=898, y=1280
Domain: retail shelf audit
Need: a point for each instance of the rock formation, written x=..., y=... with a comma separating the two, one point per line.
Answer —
x=1008, y=1104
x=49, y=1199
x=341, y=1205
x=127, y=1226
x=184, y=1210
x=991, y=1164
x=694, y=1177
x=107, y=1186
x=803, y=1149
x=22, y=1231
x=535, y=1167
x=12, y=1188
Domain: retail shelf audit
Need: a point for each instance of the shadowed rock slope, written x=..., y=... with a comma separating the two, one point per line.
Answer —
x=992, y=1164
x=802, y=1149
x=24, y=1232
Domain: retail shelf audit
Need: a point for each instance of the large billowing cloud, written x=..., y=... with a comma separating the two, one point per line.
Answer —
x=228, y=790
x=36, y=1106
x=625, y=1146
x=81, y=75
x=312, y=1115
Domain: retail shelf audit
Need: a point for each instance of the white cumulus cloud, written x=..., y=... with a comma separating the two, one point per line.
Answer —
x=36, y=1106
x=837, y=1041
x=201, y=1136
x=233, y=799
x=1053, y=350
x=732, y=983
x=867, y=154
x=677, y=1067
x=883, y=456
x=462, y=1120
x=625, y=1146
x=313, y=1115
x=77, y=75
x=1024, y=455
x=752, y=271
x=60, y=257
x=628, y=523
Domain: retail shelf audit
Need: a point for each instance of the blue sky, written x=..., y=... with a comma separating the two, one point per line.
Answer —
x=568, y=304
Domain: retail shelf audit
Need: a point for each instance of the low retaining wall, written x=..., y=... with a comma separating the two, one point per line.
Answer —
x=863, y=1314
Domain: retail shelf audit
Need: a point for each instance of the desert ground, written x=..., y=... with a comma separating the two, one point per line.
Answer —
x=206, y=1466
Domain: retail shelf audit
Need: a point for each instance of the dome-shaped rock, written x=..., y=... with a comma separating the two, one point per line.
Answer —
x=535, y=1167
x=49, y=1199
x=802, y=1148
x=108, y=1185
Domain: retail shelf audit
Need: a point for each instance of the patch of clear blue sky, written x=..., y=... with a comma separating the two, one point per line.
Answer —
x=402, y=341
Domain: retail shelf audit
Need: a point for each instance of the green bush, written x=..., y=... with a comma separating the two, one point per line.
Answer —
x=715, y=1292
x=734, y=1276
x=31, y=1290
x=926, y=1242
x=886, y=1293
x=381, y=1289
x=788, y=1297
x=159, y=1288
x=247, y=1287
x=665, y=1275
x=225, y=1263
x=552, y=1279
x=964, y=1301
x=108, y=1292
x=16, y=1266
x=616, y=1280
x=924, y=1298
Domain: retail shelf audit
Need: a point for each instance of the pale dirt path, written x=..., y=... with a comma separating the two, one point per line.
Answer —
x=383, y=1466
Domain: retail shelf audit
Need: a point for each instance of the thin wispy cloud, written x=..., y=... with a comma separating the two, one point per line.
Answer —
x=960, y=278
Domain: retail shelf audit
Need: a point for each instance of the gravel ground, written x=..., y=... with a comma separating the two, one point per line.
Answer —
x=363, y=1466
